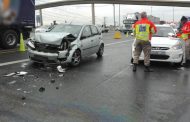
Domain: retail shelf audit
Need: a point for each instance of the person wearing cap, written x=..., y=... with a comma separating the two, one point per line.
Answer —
x=143, y=30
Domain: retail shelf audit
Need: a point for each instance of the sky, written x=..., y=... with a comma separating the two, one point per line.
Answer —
x=81, y=14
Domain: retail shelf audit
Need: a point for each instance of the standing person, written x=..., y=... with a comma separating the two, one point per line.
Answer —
x=184, y=34
x=143, y=30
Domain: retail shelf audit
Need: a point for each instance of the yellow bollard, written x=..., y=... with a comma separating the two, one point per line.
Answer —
x=22, y=45
x=127, y=34
x=117, y=35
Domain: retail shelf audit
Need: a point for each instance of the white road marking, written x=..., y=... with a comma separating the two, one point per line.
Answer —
x=116, y=43
x=26, y=60
x=14, y=62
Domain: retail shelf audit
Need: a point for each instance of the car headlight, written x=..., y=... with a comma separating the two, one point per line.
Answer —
x=177, y=47
x=30, y=44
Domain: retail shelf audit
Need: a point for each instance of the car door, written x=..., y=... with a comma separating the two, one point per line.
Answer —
x=96, y=37
x=86, y=41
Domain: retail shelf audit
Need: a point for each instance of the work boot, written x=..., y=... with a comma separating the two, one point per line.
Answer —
x=134, y=67
x=147, y=69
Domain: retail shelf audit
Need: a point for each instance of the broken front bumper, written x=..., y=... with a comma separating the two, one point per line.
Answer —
x=42, y=57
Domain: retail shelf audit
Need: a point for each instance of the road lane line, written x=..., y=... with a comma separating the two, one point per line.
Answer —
x=14, y=62
x=26, y=60
x=116, y=43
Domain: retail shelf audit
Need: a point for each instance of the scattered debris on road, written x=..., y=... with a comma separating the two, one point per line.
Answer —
x=53, y=81
x=61, y=75
x=27, y=92
x=10, y=74
x=12, y=82
x=60, y=69
x=42, y=89
x=19, y=89
x=21, y=73
x=23, y=65
x=23, y=98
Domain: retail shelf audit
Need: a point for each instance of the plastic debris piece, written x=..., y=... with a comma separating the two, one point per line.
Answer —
x=24, y=104
x=57, y=87
x=22, y=73
x=42, y=89
x=27, y=92
x=60, y=69
x=10, y=74
x=61, y=75
x=53, y=81
x=19, y=89
x=12, y=82
x=23, y=98
x=23, y=65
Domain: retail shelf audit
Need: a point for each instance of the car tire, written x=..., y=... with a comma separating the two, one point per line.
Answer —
x=9, y=39
x=76, y=58
x=100, y=51
x=131, y=60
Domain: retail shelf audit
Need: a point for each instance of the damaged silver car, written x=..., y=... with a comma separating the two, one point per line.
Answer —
x=66, y=44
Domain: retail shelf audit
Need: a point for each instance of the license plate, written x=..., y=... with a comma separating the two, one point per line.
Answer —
x=158, y=53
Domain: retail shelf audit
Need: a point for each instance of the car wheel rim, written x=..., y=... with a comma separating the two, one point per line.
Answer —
x=11, y=39
x=76, y=58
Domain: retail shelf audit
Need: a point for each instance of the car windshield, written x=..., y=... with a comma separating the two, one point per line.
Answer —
x=163, y=32
x=72, y=29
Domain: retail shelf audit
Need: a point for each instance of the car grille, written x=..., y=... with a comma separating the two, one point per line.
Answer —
x=160, y=48
x=161, y=57
x=42, y=59
x=46, y=48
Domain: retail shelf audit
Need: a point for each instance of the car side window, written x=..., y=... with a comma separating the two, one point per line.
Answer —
x=94, y=30
x=86, y=32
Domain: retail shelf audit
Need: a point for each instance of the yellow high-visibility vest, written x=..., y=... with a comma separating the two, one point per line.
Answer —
x=184, y=36
x=142, y=32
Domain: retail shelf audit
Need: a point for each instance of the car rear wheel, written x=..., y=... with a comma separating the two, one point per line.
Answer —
x=100, y=51
x=76, y=58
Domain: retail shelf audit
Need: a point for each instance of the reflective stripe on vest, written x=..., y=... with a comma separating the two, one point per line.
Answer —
x=142, y=32
x=184, y=36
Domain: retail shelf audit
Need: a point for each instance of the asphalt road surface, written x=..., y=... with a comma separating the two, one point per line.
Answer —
x=99, y=90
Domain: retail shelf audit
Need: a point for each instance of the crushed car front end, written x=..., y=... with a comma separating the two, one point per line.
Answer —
x=44, y=48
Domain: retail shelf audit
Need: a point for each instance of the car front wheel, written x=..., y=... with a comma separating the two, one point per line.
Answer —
x=76, y=58
x=100, y=51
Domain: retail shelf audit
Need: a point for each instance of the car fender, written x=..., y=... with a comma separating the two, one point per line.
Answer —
x=71, y=52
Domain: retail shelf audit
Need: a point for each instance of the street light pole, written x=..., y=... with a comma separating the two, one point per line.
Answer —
x=173, y=15
x=119, y=15
x=93, y=14
x=114, y=14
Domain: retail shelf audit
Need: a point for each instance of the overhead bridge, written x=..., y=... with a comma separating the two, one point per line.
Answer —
x=178, y=3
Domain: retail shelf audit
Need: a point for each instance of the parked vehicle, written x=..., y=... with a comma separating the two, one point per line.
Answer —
x=132, y=18
x=66, y=44
x=165, y=46
x=16, y=16
x=104, y=29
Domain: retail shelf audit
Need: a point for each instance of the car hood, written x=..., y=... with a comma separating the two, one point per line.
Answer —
x=53, y=38
x=164, y=41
